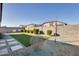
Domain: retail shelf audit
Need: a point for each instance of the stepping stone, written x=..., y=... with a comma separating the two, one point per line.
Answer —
x=2, y=45
x=17, y=47
x=2, y=41
x=10, y=39
x=13, y=42
x=4, y=51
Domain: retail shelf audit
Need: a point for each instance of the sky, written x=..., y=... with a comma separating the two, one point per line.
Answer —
x=31, y=13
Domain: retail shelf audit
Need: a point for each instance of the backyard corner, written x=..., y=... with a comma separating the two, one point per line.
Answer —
x=33, y=34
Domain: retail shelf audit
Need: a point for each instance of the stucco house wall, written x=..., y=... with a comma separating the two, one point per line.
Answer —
x=51, y=26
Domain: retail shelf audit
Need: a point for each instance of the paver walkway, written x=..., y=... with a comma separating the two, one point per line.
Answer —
x=9, y=45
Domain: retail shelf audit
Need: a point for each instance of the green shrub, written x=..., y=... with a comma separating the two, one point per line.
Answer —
x=32, y=31
x=28, y=31
x=49, y=32
x=21, y=30
x=41, y=32
x=35, y=31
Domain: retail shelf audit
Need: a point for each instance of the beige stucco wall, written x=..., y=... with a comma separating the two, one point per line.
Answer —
x=8, y=29
x=70, y=32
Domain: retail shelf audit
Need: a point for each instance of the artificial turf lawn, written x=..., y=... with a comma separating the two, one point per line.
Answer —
x=22, y=38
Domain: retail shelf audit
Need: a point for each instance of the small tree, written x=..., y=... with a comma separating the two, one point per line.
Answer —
x=35, y=31
x=49, y=32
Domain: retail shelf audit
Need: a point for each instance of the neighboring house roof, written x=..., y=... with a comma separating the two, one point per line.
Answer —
x=38, y=25
x=27, y=25
x=31, y=24
x=22, y=25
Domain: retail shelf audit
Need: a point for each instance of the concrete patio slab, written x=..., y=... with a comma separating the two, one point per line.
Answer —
x=13, y=42
x=10, y=39
x=4, y=51
x=2, y=41
x=17, y=47
x=2, y=45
